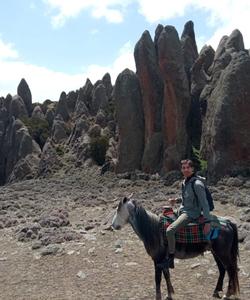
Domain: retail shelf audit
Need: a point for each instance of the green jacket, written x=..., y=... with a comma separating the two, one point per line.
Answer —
x=189, y=204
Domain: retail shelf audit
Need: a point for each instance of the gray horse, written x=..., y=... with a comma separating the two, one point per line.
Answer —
x=148, y=228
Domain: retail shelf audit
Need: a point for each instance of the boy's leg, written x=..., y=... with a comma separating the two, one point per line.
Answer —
x=181, y=221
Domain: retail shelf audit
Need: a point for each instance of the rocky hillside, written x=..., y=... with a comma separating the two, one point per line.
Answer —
x=179, y=103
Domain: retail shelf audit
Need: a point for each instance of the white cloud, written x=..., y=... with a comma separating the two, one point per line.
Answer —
x=7, y=50
x=61, y=10
x=47, y=84
x=222, y=15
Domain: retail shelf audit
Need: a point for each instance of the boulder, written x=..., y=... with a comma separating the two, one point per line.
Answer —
x=59, y=131
x=18, y=108
x=129, y=115
x=62, y=108
x=38, y=113
x=24, y=92
x=225, y=140
x=99, y=99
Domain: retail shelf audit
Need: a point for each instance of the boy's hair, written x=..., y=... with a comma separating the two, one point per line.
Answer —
x=188, y=161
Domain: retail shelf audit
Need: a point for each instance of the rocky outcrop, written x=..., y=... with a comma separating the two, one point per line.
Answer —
x=38, y=113
x=189, y=48
x=18, y=108
x=17, y=145
x=152, y=95
x=99, y=98
x=59, y=131
x=84, y=99
x=225, y=140
x=106, y=80
x=176, y=101
x=199, y=78
x=24, y=92
x=62, y=108
x=129, y=115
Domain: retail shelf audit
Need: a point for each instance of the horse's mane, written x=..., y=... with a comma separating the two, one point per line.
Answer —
x=148, y=224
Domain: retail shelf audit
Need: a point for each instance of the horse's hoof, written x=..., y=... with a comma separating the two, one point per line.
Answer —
x=216, y=295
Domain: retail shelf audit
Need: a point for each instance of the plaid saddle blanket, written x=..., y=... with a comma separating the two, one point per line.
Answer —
x=193, y=232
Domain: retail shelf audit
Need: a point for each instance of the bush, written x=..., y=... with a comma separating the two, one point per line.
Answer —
x=38, y=129
x=60, y=150
x=200, y=164
x=98, y=148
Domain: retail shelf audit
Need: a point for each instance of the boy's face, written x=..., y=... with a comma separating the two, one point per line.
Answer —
x=186, y=170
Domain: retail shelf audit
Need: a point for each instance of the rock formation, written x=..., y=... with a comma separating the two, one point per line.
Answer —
x=130, y=121
x=225, y=140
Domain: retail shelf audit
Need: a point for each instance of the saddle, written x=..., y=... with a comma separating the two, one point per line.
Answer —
x=193, y=232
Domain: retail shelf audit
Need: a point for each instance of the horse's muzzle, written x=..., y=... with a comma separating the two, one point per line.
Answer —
x=116, y=227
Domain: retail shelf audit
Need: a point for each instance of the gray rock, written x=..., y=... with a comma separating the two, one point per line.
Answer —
x=38, y=113
x=24, y=92
x=129, y=114
x=18, y=108
x=50, y=250
x=62, y=108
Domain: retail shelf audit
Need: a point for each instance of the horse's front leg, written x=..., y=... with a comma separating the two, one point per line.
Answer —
x=158, y=274
x=169, y=284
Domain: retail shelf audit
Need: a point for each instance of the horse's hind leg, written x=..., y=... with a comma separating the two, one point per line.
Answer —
x=169, y=284
x=158, y=275
x=219, y=285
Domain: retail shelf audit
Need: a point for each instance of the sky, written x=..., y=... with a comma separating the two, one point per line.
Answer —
x=57, y=44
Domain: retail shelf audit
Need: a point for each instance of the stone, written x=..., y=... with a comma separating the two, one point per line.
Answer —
x=24, y=92
x=62, y=108
x=224, y=129
x=38, y=113
x=128, y=105
x=50, y=250
x=18, y=108
x=176, y=102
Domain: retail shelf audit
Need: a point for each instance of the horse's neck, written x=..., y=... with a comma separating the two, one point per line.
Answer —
x=145, y=224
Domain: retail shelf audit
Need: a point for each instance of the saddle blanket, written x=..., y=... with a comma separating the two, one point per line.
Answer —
x=193, y=232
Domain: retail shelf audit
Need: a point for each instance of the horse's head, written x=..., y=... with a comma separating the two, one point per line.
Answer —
x=123, y=212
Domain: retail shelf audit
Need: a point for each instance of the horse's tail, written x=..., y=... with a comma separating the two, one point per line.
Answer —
x=235, y=256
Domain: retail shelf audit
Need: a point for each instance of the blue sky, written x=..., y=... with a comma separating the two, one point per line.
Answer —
x=57, y=44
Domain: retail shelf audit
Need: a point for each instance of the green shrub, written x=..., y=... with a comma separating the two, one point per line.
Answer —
x=98, y=148
x=38, y=129
x=200, y=164
x=60, y=150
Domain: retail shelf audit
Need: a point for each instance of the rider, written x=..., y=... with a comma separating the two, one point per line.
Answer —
x=190, y=209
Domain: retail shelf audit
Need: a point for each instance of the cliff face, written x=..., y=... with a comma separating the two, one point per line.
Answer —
x=177, y=100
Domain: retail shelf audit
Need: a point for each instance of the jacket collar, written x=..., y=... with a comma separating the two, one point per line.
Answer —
x=189, y=178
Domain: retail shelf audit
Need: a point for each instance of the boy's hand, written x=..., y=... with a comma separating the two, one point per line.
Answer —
x=172, y=201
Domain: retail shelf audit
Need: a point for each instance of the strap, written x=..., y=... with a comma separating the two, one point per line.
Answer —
x=195, y=195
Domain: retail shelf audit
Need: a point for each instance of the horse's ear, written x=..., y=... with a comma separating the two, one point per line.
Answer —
x=131, y=206
x=124, y=200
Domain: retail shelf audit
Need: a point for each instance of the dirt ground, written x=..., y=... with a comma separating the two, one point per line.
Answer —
x=99, y=263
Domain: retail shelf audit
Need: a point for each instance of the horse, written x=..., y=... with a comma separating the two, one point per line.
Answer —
x=148, y=228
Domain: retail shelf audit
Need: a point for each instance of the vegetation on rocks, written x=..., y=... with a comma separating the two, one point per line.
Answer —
x=98, y=148
x=38, y=129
